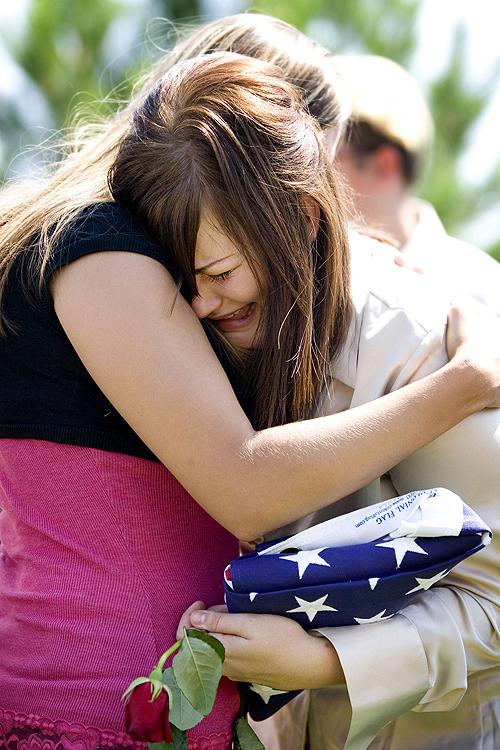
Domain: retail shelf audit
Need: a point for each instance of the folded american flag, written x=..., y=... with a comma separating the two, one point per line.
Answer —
x=359, y=568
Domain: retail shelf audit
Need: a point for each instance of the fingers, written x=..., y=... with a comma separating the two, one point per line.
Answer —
x=222, y=622
x=246, y=547
x=468, y=324
x=185, y=621
x=400, y=260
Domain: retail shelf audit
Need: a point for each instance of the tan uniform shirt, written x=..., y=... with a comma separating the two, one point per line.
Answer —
x=458, y=265
x=429, y=677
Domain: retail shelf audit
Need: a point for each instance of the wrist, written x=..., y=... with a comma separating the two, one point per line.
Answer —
x=473, y=383
x=324, y=667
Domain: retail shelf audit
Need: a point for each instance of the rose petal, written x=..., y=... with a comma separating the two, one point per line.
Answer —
x=144, y=718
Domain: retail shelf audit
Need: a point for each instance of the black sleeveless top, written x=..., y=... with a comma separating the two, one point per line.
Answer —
x=45, y=391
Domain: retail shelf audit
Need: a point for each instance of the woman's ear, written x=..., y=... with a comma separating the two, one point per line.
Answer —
x=332, y=138
x=312, y=211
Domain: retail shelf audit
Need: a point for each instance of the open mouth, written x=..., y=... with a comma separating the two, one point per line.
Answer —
x=237, y=319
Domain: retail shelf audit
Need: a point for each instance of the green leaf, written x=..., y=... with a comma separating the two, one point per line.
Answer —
x=198, y=669
x=244, y=737
x=214, y=642
x=158, y=746
x=179, y=739
x=182, y=714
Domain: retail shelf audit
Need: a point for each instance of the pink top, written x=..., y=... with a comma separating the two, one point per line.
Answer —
x=101, y=553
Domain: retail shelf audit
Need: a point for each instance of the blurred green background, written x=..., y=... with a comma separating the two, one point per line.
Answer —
x=58, y=56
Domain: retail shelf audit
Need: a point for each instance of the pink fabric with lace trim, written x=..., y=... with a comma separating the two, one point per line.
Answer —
x=19, y=732
x=100, y=555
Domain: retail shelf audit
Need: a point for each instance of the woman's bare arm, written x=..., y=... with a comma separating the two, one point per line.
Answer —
x=152, y=360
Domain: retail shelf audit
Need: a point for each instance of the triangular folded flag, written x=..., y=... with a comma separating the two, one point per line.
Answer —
x=358, y=568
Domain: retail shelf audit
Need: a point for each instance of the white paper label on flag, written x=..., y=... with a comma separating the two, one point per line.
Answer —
x=425, y=513
x=441, y=515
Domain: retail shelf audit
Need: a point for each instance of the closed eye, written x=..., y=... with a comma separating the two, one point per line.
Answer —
x=220, y=276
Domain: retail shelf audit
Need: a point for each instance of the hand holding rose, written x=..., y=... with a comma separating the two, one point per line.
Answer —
x=268, y=649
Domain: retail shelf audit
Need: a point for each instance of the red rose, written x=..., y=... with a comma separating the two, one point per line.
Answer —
x=147, y=719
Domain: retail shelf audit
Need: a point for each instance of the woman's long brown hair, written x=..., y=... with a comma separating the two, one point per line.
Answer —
x=227, y=133
x=45, y=208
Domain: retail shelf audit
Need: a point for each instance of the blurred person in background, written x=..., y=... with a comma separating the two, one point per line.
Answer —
x=388, y=140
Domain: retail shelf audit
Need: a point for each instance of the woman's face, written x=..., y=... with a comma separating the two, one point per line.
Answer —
x=228, y=293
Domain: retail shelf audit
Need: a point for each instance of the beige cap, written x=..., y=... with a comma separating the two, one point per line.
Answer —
x=386, y=97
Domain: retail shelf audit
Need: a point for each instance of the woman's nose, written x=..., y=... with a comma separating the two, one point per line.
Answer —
x=205, y=303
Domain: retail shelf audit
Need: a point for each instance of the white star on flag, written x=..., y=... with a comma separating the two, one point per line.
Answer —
x=266, y=692
x=375, y=618
x=252, y=595
x=311, y=609
x=305, y=558
x=373, y=582
x=401, y=546
x=426, y=583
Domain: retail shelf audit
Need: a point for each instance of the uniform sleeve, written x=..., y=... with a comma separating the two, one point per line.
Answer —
x=459, y=623
x=385, y=668
x=419, y=660
x=422, y=658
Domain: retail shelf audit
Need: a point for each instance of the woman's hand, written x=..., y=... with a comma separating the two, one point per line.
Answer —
x=268, y=650
x=473, y=337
